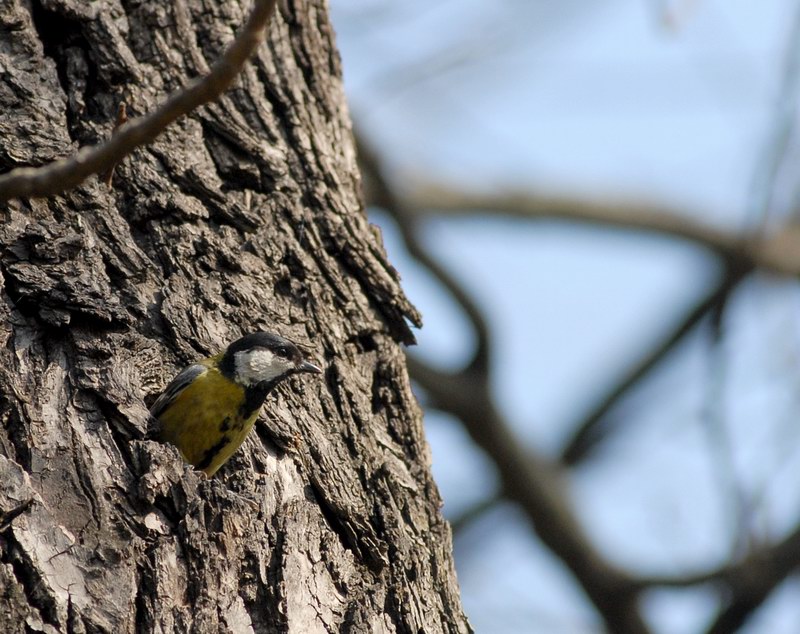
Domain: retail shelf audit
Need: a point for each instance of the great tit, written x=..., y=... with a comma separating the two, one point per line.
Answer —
x=209, y=407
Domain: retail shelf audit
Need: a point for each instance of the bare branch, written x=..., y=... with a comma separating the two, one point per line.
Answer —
x=531, y=480
x=766, y=566
x=380, y=193
x=528, y=479
x=536, y=485
x=747, y=584
x=122, y=118
x=625, y=214
x=69, y=172
x=779, y=253
x=774, y=153
x=460, y=522
x=596, y=426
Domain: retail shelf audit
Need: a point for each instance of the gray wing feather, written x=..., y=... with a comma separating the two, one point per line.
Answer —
x=179, y=383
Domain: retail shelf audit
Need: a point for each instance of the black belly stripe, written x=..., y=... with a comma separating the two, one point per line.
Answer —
x=225, y=425
x=210, y=454
x=254, y=398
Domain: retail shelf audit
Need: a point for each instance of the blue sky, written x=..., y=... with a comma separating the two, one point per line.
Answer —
x=603, y=100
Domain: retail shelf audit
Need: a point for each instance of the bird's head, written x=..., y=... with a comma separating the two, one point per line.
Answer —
x=263, y=357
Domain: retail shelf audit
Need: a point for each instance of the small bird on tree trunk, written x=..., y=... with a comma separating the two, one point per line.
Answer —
x=209, y=407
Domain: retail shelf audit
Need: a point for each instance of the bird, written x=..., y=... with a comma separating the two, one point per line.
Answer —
x=210, y=406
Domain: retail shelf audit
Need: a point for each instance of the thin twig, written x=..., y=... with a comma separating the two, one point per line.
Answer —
x=69, y=172
x=596, y=426
x=774, y=153
x=463, y=519
x=733, y=493
x=122, y=119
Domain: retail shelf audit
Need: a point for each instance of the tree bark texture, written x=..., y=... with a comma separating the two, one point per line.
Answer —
x=243, y=216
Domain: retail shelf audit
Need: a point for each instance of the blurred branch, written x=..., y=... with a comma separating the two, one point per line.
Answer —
x=734, y=496
x=69, y=172
x=745, y=600
x=381, y=194
x=529, y=479
x=779, y=253
x=747, y=583
x=536, y=485
x=765, y=567
x=596, y=426
x=774, y=154
x=460, y=522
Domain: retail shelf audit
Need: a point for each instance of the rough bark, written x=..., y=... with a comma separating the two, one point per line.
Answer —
x=245, y=215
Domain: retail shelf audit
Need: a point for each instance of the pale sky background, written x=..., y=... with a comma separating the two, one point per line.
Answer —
x=601, y=99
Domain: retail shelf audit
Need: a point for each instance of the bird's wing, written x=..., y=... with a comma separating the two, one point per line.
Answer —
x=179, y=383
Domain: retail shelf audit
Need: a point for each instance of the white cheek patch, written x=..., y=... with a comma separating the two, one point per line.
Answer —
x=256, y=366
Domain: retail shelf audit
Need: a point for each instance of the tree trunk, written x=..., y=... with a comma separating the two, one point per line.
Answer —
x=243, y=216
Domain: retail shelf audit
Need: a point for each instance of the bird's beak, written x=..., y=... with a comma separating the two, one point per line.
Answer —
x=305, y=366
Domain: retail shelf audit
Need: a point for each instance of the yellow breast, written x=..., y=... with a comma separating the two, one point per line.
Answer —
x=204, y=421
